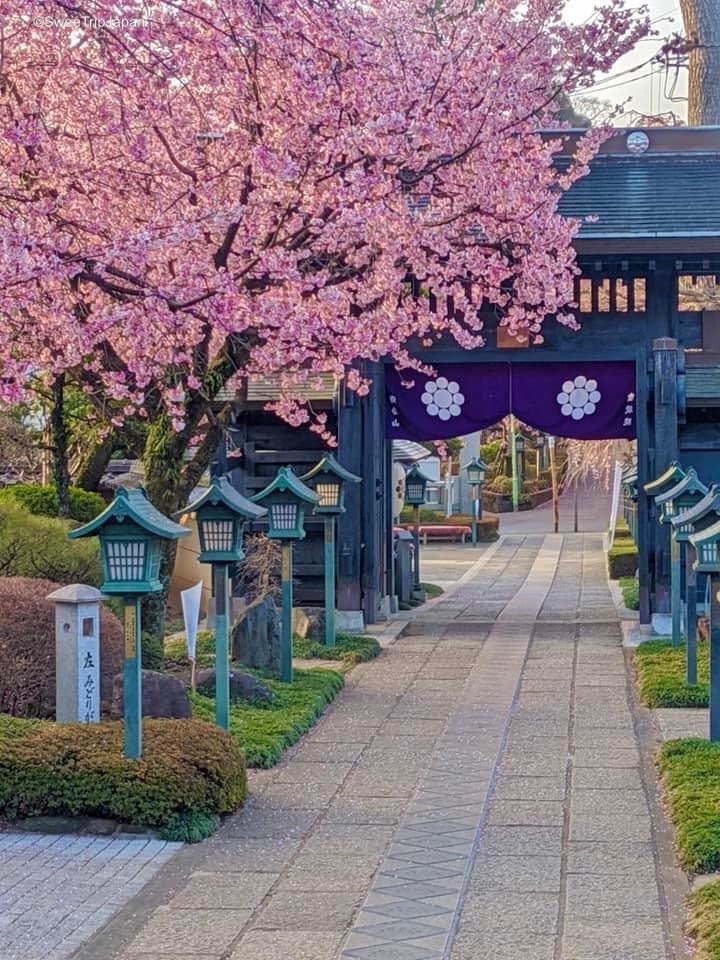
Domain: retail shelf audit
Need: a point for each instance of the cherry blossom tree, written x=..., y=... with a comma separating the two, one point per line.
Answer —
x=194, y=192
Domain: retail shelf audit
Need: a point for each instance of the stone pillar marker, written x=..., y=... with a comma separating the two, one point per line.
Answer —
x=77, y=653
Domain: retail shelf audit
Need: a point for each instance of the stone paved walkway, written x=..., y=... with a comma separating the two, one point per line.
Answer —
x=56, y=892
x=475, y=793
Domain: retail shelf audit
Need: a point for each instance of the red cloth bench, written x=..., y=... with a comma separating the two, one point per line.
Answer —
x=441, y=531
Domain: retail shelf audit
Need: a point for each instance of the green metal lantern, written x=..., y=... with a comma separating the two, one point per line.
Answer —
x=415, y=486
x=286, y=499
x=667, y=479
x=702, y=514
x=685, y=494
x=328, y=478
x=221, y=514
x=131, y=531
x=705, y=543
x=476, y=471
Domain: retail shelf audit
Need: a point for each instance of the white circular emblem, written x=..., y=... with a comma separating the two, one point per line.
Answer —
x=442, y=398
x=579, y=398
x=637, y=141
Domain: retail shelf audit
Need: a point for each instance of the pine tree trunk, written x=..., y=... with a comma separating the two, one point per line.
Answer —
x=702, y=29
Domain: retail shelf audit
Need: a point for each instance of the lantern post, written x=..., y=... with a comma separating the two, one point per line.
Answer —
x=286, y=498
x=680, y=497
x=415, y=486
x=131, y=532
x=221, y=513
x=328, y=478
x=693, y=520
x=476, y=471
x=705, y=543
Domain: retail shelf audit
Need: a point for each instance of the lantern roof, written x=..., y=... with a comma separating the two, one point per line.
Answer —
x=286, y=481
x=710, y=503
x=710, y=534
x=221, y=492
x=415, y=473
x=329, y=464
x=690, y=483
x=132, y=505
x=672, y=475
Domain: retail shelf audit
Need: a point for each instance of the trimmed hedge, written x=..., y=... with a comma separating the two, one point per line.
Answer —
x=622, y=559
x=630, y=589
x=704, y=923
x=27, y=648
x=36, y=546
x=347, y=648
x=79, y=770
x=691, y=776
x=43, y=501
x=661, y=671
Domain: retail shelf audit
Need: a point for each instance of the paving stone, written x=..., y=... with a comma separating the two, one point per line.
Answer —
x=303, y=910
x=543, y=789
x=606, y=778
x=526, y=812
x=191, y=931
x=609, y=859
x=521, y=841
x=329, y=873
x=500, y=910
x=287, y=945
x=592, y=897
x=205, y=890
x=517, y=874
x=620, y=828
x=633, y=940
x=475, y=945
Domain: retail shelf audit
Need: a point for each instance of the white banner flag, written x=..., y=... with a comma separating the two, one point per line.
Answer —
x=190, y=599
x=614, y=504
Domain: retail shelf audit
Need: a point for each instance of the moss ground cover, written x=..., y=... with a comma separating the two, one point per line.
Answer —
x=690, y=772
x=264, y=731
x=661, y=675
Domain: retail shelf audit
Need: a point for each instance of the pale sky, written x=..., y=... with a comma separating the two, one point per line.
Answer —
x=651, y=85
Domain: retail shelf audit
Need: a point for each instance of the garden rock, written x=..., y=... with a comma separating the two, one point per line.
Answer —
x=256, y=636
x=243, y=686
x=162, y=696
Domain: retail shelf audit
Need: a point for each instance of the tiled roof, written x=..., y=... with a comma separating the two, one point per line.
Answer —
x=663, y=195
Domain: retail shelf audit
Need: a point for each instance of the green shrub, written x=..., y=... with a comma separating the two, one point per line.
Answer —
x=704, y=923
x=264, y=731
x=189, y=827
x=36, y=546
x=691, y=775
x=500, y=484
x=27, y=648
x=43, y=500
x=630, y=589
x=489, y=452
x=487, y=526
x=176, y=649
x=622, y=559
x=661, y=671
x=79, y=770
x=347, y=648
x=432, y=590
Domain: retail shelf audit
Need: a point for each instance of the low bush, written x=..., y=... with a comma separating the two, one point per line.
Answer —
x=630, y=589
x=27, y=648
x=79, y=770
x=432, y=590
x=176, y=649
x=690, y=772
x=347, y=648
x=189, y=827
x=487, y=526
x=622, y=559
x=264, y=731
x=704, y=922
x=43, y=500
x=661, y=671
x=500, y=484
x=36, y=546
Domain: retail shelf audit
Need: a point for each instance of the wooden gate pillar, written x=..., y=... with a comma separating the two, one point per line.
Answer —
x=665, y=435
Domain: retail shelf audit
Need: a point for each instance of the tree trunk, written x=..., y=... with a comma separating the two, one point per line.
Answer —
x=60, y=442
x=94, y=463
x=702, y=29
x=168, y=482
